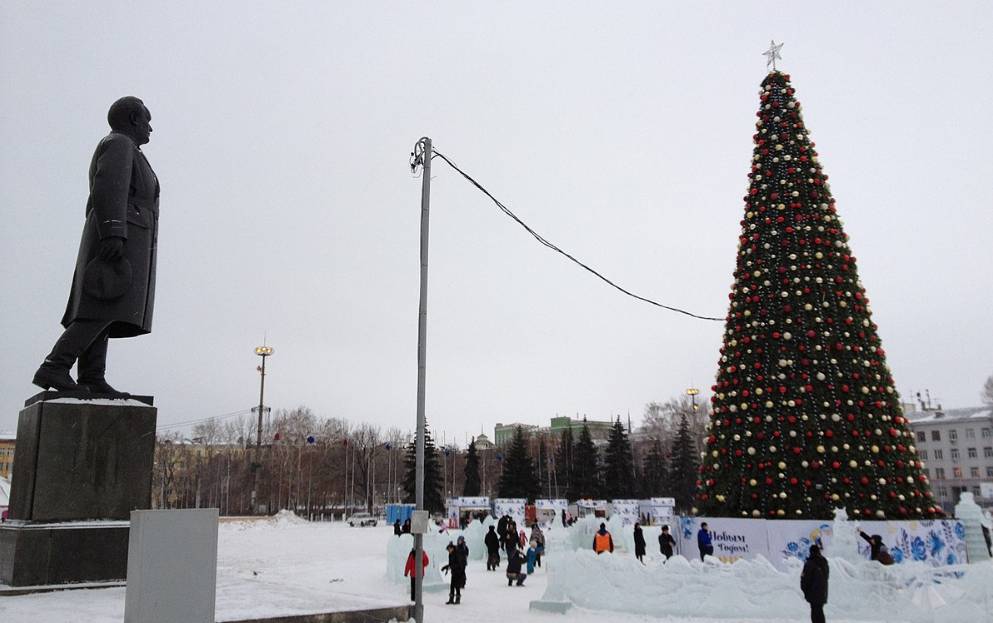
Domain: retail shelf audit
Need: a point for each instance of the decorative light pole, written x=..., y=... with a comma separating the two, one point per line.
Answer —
x=692, y=393
x=261, y=351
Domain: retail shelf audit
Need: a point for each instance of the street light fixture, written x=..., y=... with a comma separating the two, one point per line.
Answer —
x=692, y=393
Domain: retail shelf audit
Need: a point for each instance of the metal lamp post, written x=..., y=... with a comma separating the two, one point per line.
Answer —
x=692, y=393
x=262, y=351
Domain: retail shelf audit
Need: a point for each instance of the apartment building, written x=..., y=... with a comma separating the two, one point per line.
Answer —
x=956, y=446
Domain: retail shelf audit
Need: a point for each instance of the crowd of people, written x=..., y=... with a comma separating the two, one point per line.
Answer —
x=523, y=556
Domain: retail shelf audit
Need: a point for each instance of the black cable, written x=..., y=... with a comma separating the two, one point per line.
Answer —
x=555, y=248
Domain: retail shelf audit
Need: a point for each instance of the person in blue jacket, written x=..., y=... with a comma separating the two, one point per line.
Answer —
x=532, y=555
x=704, y=542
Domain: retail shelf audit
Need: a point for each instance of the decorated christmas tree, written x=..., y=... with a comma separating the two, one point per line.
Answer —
x=806, y=417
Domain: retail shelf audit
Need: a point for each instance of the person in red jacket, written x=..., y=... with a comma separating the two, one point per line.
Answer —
x=408, y=569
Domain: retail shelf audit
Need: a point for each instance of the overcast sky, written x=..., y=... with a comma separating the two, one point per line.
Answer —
x=621, y=131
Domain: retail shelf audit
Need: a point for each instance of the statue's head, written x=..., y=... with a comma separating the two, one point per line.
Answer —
x=129, y=116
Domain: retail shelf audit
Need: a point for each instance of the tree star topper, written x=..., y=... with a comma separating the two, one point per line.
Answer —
x=773, y=53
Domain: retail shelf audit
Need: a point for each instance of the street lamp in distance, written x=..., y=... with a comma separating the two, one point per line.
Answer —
x=262, y=351
x=692, y=393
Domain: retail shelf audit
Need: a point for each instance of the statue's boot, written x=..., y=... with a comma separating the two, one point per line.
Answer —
x=93, y=367
x=79, y=338
x=53, y=376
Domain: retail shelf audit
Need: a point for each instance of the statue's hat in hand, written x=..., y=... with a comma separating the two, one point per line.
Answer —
x=107, y=280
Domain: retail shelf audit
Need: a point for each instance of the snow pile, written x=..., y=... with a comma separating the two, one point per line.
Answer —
x=913, y=592
x=282, y=519
x=474, y=534
x=844, y=542
x=287, y=518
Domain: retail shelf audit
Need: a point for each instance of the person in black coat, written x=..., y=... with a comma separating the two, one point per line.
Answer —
x=666, y=542
x=639, y=543
x=502, y=528
x=492, y=542
x=514, y=561
x=510, y=537
x=814, y=583
x=405, y=528
x=456, y=566
x=396, y=527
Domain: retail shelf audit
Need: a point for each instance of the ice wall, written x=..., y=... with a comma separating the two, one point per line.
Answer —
x=913, y=592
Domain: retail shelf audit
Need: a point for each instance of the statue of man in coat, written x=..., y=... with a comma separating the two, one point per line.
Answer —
x=113, y=286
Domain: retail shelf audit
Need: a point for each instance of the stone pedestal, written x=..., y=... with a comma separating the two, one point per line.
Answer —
x=82, y=466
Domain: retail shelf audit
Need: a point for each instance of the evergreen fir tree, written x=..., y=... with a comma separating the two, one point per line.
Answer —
x=806, y=416
x=684, y=468
x=564, y=466
x=433, y=500
x=542, y=464
x=518, y=479
x=585, y=481
x=471, y=487
x=618, y=470
x=655, y=472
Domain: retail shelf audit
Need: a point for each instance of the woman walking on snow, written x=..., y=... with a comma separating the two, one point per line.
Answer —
x=492, y=542
x=639, y=543
x=666, y=543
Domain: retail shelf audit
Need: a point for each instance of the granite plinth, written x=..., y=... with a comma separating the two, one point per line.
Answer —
x=83, y=459
x=34, y=554
x=82, y=466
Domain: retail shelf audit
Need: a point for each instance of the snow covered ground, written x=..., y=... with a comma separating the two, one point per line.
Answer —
x=288, y=566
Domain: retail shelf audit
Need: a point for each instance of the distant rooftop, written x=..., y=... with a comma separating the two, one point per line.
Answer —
x=5, y=436
x=951, y=415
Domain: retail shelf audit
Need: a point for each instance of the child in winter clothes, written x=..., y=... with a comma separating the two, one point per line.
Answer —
x=538, y=535
x=532, y=556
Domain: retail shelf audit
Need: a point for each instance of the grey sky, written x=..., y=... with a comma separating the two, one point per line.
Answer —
x=623, y=134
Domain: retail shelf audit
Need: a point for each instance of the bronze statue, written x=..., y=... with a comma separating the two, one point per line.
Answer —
x=113, y=286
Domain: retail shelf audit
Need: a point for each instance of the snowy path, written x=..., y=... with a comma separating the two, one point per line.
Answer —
x=284, y=568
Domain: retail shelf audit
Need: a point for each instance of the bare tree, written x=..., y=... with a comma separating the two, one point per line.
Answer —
x=661, y=420
x=987, y=393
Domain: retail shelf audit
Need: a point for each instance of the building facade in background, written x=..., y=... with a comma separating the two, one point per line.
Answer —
x=7, y=442
x=956, y=446
x=503, y=434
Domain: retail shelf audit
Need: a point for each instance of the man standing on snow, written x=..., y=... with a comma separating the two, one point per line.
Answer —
x=814, y=583
x=704, y=541
x=602, y=541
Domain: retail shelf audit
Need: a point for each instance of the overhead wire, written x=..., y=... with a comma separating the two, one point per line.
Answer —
x=545, y=242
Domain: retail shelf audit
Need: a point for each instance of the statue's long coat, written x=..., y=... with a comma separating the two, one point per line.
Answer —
x=124, y=202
